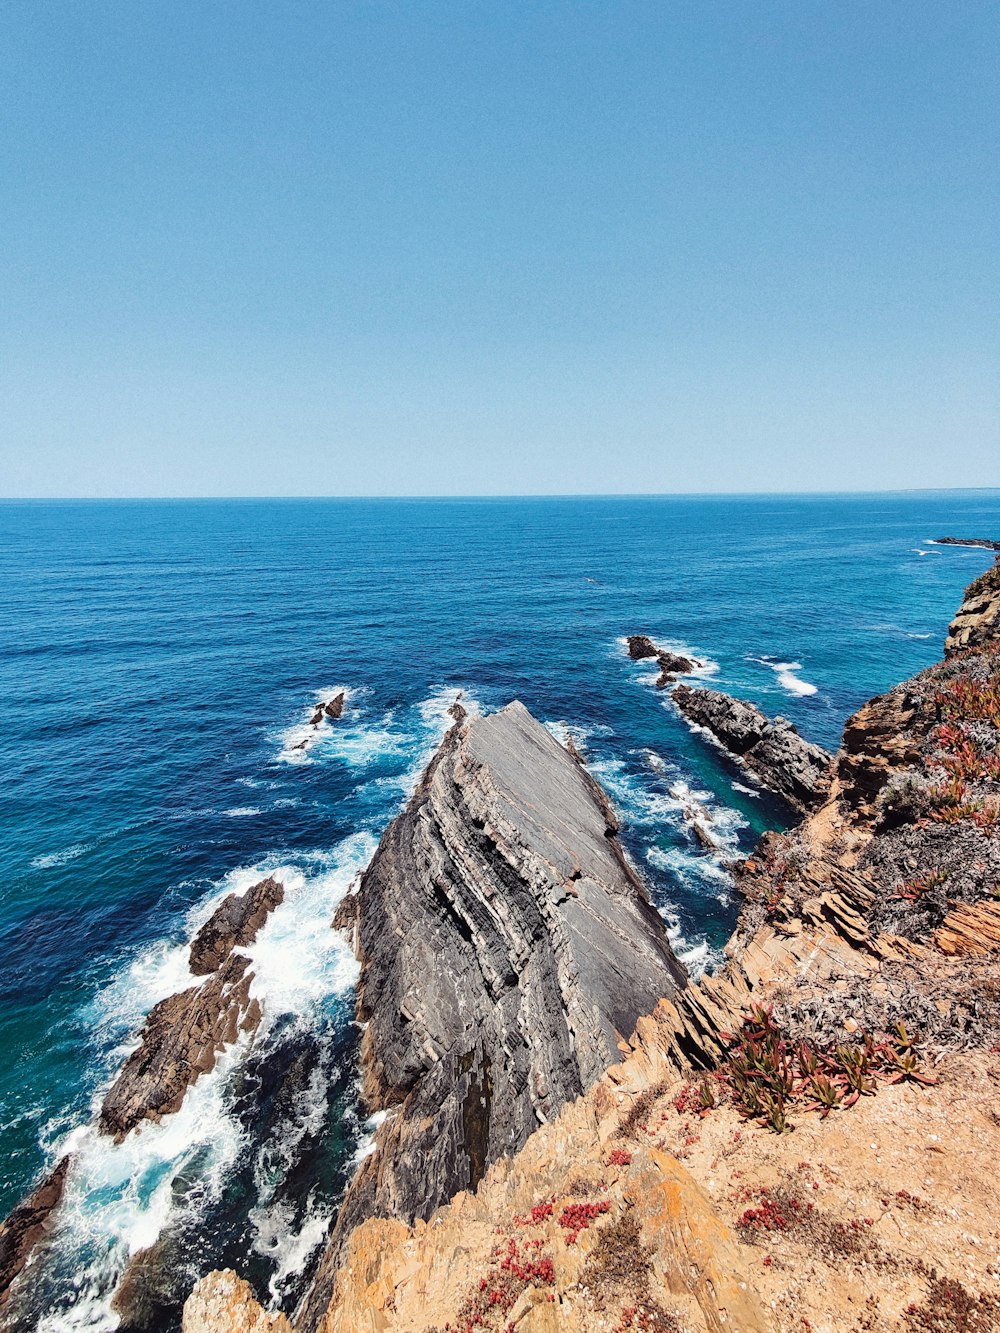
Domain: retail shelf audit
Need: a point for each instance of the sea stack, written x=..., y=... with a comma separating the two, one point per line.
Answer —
x=507, y=949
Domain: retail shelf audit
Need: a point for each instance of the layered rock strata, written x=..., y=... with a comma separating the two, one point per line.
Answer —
x=234, y=923
x=769, y=748
x=507, y=948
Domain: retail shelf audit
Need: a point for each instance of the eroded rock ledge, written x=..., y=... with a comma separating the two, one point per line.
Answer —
x=507, y=948
x=771, y=749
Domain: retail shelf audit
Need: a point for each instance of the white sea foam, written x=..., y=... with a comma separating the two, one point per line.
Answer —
x=242, y=811
x=785, y=671
x=53, y=859
x=747, y=791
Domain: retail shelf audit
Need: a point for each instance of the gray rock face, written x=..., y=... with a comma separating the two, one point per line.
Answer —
x=235, y=921
x=507, y=946
x=772, y=750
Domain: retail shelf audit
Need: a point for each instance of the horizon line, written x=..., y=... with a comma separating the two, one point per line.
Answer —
x=487, y=496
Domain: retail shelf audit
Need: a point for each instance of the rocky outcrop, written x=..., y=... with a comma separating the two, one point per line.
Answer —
x=235, y=921
x=772, y=750
x=671, y=664
x=332, y=709
x=26, y=1225
x=977, y=621
x=641, y=646
x=507, y=948
x=983, y=542
x=181, y=1040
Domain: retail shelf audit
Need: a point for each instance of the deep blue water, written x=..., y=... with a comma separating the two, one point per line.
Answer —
x=159, y=660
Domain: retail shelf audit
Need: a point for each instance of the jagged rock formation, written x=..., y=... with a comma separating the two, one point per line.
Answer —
x=26, y=1225
x=772, y=750
x=507, y=947
x=235, y=921
x=671, y=664
x=181, y=1040
x=185, y=1033
x=227, y=1305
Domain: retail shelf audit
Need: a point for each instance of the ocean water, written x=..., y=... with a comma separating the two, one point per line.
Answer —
x=159, y=664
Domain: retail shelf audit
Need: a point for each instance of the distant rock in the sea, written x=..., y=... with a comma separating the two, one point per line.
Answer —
x=671, y=664
x=507, y=948
x=985, y=542
x=772, y=750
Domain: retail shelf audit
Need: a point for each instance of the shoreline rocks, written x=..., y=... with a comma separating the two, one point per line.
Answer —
x=235, y=921
x=771, y=749
x=507, y=948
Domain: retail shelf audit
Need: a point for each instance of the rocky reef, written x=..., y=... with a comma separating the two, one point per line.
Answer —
x=985, y=543
x=507, y=949
x=769, y=748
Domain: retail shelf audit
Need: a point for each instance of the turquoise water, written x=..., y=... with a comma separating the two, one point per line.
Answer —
x=159, y=663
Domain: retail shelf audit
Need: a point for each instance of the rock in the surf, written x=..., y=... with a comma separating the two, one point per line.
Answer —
x=335, y=708
x=181, y=1040
x=771, y=749
x=235, y=921
x=641, y=646
x=507, y=948
x=26, y=1225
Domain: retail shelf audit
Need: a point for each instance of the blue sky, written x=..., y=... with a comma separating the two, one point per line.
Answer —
x=463, y=248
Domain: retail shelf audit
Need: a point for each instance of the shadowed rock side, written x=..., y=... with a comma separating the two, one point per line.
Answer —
x=772, y=750
x=507, y=947
x=26, y=1225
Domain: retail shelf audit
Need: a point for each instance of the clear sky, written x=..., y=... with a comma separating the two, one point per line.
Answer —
x=498, y=246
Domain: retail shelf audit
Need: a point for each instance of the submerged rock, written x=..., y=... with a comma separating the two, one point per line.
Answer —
x=771, y=749
x=507, y=948
x=26, y=1225
x=235, y=921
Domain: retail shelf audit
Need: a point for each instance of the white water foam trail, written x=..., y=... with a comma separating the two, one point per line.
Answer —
x=785, y=671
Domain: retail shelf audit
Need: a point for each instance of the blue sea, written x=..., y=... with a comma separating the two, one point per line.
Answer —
x=160, y=663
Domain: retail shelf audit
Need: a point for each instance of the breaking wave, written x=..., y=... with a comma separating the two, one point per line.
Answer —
x=785, y=672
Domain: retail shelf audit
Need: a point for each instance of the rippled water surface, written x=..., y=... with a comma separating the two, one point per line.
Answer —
x=158, y=668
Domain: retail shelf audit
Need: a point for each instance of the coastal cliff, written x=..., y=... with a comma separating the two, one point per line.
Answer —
x=795, y=1143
